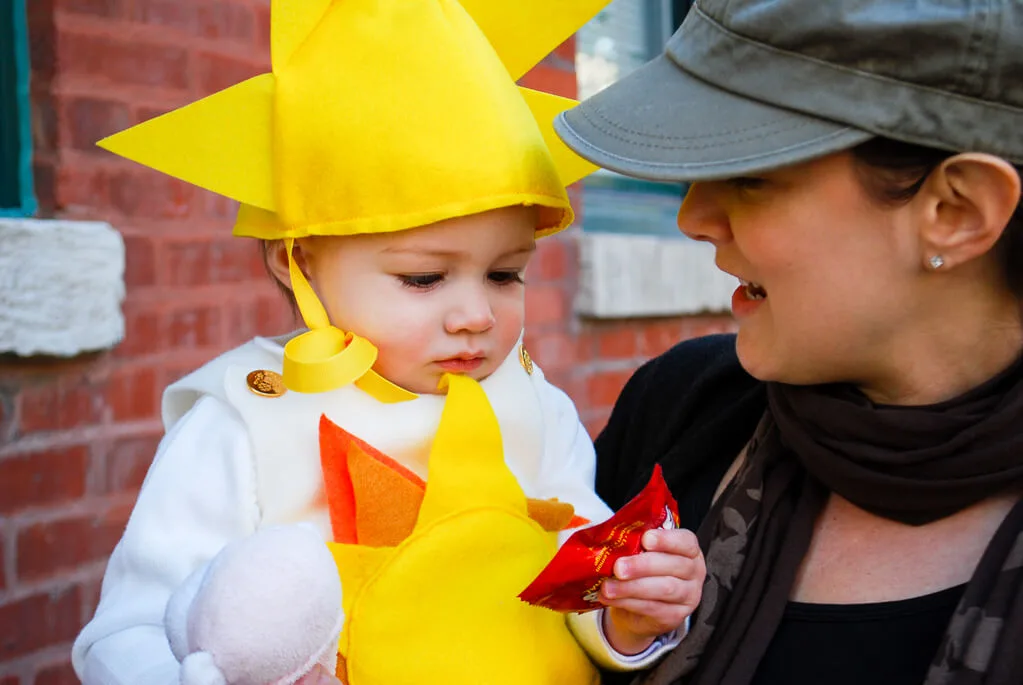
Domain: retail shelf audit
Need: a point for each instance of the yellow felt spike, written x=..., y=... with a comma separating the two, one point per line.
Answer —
x=356, y=565
x=221, y=143
x=523, y=32
x=467, y=457
x=291, y=22
x=545, y=107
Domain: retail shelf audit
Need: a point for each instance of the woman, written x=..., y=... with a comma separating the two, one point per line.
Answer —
x=856, y=165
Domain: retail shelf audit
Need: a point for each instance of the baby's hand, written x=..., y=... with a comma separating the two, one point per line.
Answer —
x=653, y=592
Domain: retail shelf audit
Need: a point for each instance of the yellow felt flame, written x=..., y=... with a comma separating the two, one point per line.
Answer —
x=454, y=581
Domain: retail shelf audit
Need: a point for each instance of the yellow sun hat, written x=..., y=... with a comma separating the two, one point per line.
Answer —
x=378, y=116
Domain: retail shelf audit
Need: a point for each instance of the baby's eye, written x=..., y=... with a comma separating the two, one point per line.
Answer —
x=420, y=281
x=505, y=277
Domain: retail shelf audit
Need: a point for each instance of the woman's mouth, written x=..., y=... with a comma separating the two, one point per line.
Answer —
x=747, y=298
x=461, y=364
x=754, y=291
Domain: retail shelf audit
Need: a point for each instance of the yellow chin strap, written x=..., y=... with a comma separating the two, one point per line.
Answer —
x=325, y=357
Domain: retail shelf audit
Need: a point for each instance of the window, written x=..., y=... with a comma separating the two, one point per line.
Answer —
x=625, y=35
x=634, y=262
x=16, y=194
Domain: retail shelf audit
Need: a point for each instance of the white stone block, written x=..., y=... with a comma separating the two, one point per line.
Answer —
x=623, y=275
x=61, y=287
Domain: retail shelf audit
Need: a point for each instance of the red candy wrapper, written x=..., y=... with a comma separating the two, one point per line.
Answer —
x=571, y=581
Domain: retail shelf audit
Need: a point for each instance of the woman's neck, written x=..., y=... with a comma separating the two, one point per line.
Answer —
x=955, y=353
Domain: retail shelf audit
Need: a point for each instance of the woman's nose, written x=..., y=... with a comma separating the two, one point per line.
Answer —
x=701, y=217
x=472, y=314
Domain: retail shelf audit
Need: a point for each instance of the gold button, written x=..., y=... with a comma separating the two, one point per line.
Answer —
x=525, y=360
x=266, y=383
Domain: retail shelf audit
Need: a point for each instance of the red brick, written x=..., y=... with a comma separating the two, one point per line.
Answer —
x=139, y=261
x=545, y=305
x=90, y=119
x=619, y=342
x=71, y=403
x=45, y=125
x=42, y=478
x=132, y=394
x=225, y=20
x=146, y=193
x=80, y=187
x=551, y=80
x=127, y=462
x=10, y=680
x=658, y=336
x=193, y=327
x=39, y=621
x=217, y=72
x=123, y=62
x=172, y=14
x=566, y=50
x=3, y=570
x=262, y=19
x=47, y=549
x=550, y=262
x=603, y=387
x=202, y=261
x=99, y=8
x=58, y=674
x=552, y=351
x=142, y=333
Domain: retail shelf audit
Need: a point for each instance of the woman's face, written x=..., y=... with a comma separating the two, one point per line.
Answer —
x=836, y=275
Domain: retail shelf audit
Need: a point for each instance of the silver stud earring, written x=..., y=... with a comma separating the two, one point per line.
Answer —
x=936, y=262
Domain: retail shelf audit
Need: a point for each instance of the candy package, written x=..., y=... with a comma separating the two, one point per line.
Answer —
x=571, y=581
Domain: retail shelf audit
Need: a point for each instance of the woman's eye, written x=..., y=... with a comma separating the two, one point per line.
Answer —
x=505, y=277
x=746, y=183
x=420, y=281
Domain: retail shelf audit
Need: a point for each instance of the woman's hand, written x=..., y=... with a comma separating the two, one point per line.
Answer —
x=318, y=676
x=653, y=592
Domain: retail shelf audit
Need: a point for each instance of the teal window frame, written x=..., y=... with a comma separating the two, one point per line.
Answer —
x=17, y=192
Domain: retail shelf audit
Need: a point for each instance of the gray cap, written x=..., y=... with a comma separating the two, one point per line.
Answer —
x=746, y=86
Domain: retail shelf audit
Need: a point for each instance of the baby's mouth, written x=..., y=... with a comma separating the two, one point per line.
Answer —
x=754, y=291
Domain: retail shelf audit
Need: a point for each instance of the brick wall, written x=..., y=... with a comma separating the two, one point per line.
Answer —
x=76, y=436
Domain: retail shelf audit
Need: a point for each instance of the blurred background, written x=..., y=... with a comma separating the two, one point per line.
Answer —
x=116, y=280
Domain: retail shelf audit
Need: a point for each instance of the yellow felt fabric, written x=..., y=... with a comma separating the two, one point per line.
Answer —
x=218, y=143
x=442, y=606
x=524, y=31
x=435, y=129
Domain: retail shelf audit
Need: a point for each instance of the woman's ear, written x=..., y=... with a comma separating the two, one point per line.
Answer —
x=967, y=203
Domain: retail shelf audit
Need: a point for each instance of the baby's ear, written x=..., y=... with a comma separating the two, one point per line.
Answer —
x=275, y=259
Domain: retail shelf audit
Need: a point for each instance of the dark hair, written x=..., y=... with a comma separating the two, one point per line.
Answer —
x=265, y=246
x=894, y=172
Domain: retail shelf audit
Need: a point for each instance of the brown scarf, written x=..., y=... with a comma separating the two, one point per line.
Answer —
x=911, y=464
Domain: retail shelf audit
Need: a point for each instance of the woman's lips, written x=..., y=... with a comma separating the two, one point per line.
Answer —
x=461, y=364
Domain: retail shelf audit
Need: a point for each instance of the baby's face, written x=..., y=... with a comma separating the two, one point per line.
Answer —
x=447, y=297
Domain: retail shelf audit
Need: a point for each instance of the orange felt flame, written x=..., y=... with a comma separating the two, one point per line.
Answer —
x=373, y=500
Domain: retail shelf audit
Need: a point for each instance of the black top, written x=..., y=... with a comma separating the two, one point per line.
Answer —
x=692, y=410
x=891, y=643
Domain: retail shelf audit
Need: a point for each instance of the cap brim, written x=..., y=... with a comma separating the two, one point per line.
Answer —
x=664, y=124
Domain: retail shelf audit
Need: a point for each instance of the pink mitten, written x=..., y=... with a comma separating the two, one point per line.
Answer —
x=264, y=611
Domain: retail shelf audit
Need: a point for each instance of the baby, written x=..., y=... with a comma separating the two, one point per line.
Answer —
x=399, y=180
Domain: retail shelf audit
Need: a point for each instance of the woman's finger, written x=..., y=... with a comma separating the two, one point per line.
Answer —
x=677, y=541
